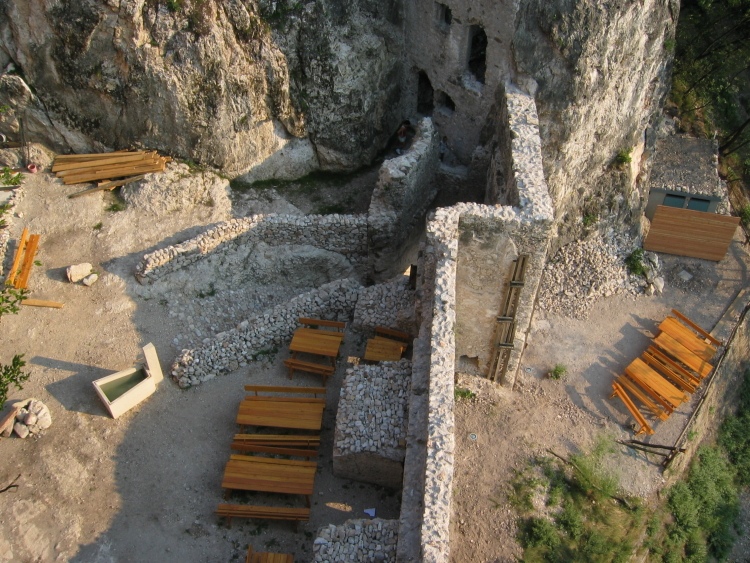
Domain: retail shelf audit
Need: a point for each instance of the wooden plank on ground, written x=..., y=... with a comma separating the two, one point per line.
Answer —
x=42, y=303
x=118, y=159
x=93, y=156
x=115, y=172
x=684, y=232
x=28, y=261
x=17, y=257
x=107, y=186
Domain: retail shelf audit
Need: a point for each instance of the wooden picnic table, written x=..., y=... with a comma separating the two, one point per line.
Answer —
x=381, y=349
x=649, y=380
x=269, y=475
x=672, y=347
x=280, y=412
x=318, y=342
x=687, y=338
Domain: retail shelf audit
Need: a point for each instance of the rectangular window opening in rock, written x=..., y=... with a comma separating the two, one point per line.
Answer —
x=477, y=59
x=443, y=16
x=425, y=94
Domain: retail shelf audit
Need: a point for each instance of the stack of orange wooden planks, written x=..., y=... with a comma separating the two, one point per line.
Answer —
x=80, y=168
x=23, y=260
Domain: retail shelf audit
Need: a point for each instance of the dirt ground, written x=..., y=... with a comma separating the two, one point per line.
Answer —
x=144, y=487
x=569, y=415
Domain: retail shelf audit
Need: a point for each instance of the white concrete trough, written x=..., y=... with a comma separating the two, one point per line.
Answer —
x=123, y=390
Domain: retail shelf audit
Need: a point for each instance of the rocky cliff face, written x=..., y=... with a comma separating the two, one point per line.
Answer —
x=202, y=79
x=601, y=71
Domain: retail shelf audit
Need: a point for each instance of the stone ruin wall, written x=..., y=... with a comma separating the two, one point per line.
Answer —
x=424, y=533
x=404, y=190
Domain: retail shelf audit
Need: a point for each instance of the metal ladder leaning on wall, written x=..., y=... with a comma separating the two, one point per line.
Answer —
x=505, y=324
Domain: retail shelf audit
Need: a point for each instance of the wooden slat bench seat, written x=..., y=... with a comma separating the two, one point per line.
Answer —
x=674, y=366
x=660, y=410
x=697, y=328
x=393, y=334
x=284, y=389
x=269, y=475
x=230, y=511
x=280, y=444
x=623, y=396
x=311, y=367
x=681, y=354
x=267, y=557
x=336, y=325
x=381, y=349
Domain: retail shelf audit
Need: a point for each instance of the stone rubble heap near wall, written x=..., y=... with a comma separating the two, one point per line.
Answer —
x=370, y=436
x=402, y=195
x=229, y=350
x=345, y=234
x=357, y=541
x=388, y=304
x=12, y=201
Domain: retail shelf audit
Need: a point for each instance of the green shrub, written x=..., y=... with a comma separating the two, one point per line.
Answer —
x=623, y=157
x=539, y=532
x=745, y=215
x=10, y=299
x=634, y=262
x=558, y=372
x=11, y=374
x=8, y=178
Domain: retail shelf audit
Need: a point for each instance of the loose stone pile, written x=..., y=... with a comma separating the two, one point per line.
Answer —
x=344, y=234
x=371, y=420
x=583, y=272
x=357, y=541
x=31, y=418
x=263, y=333
x=388, y=304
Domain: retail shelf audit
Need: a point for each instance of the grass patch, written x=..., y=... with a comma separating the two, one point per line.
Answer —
x=583, y=522
x=460, y=393
x=98, y=226
x=8, y=178
x=734, y=435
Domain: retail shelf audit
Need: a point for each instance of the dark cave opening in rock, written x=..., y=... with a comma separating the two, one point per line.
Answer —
x=425, y=94
x=478, y=52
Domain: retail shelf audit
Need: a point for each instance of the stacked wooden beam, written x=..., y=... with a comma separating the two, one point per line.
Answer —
x=23, y=260
x=669, y=371
x=80, y=168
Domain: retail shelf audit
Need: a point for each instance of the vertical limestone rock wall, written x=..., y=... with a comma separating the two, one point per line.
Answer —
x=599, y=72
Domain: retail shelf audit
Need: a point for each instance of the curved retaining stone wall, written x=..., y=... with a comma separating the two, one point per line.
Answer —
x=357, y=541
x=344, y=234
x=370, y=437
x=262, y=333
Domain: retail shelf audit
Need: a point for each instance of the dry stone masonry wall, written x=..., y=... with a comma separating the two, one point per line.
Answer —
x=402, y=195
x=357, y=541
x=370, y=436
x=263, y=333
x=344, y=234
x=389, y=304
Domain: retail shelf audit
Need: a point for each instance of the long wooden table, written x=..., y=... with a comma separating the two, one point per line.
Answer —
x=278, y=412
x=687, y=338
x=318, y=342
x=649, y=380
x=669, y=345
x=269, y=475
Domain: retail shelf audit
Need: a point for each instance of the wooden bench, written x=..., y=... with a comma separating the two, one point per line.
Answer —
x=393, y=334
x=381, y=349
x=688, y=338
x=682, y=355
x=230, y=511
x=697, y=329
x=669, y=370
x=284, y=389
x=650, y=381
x=336, y=325
x=660, y=410
x=267, y=557
x=623, y=396
x=311, y=367
x=280, y=444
